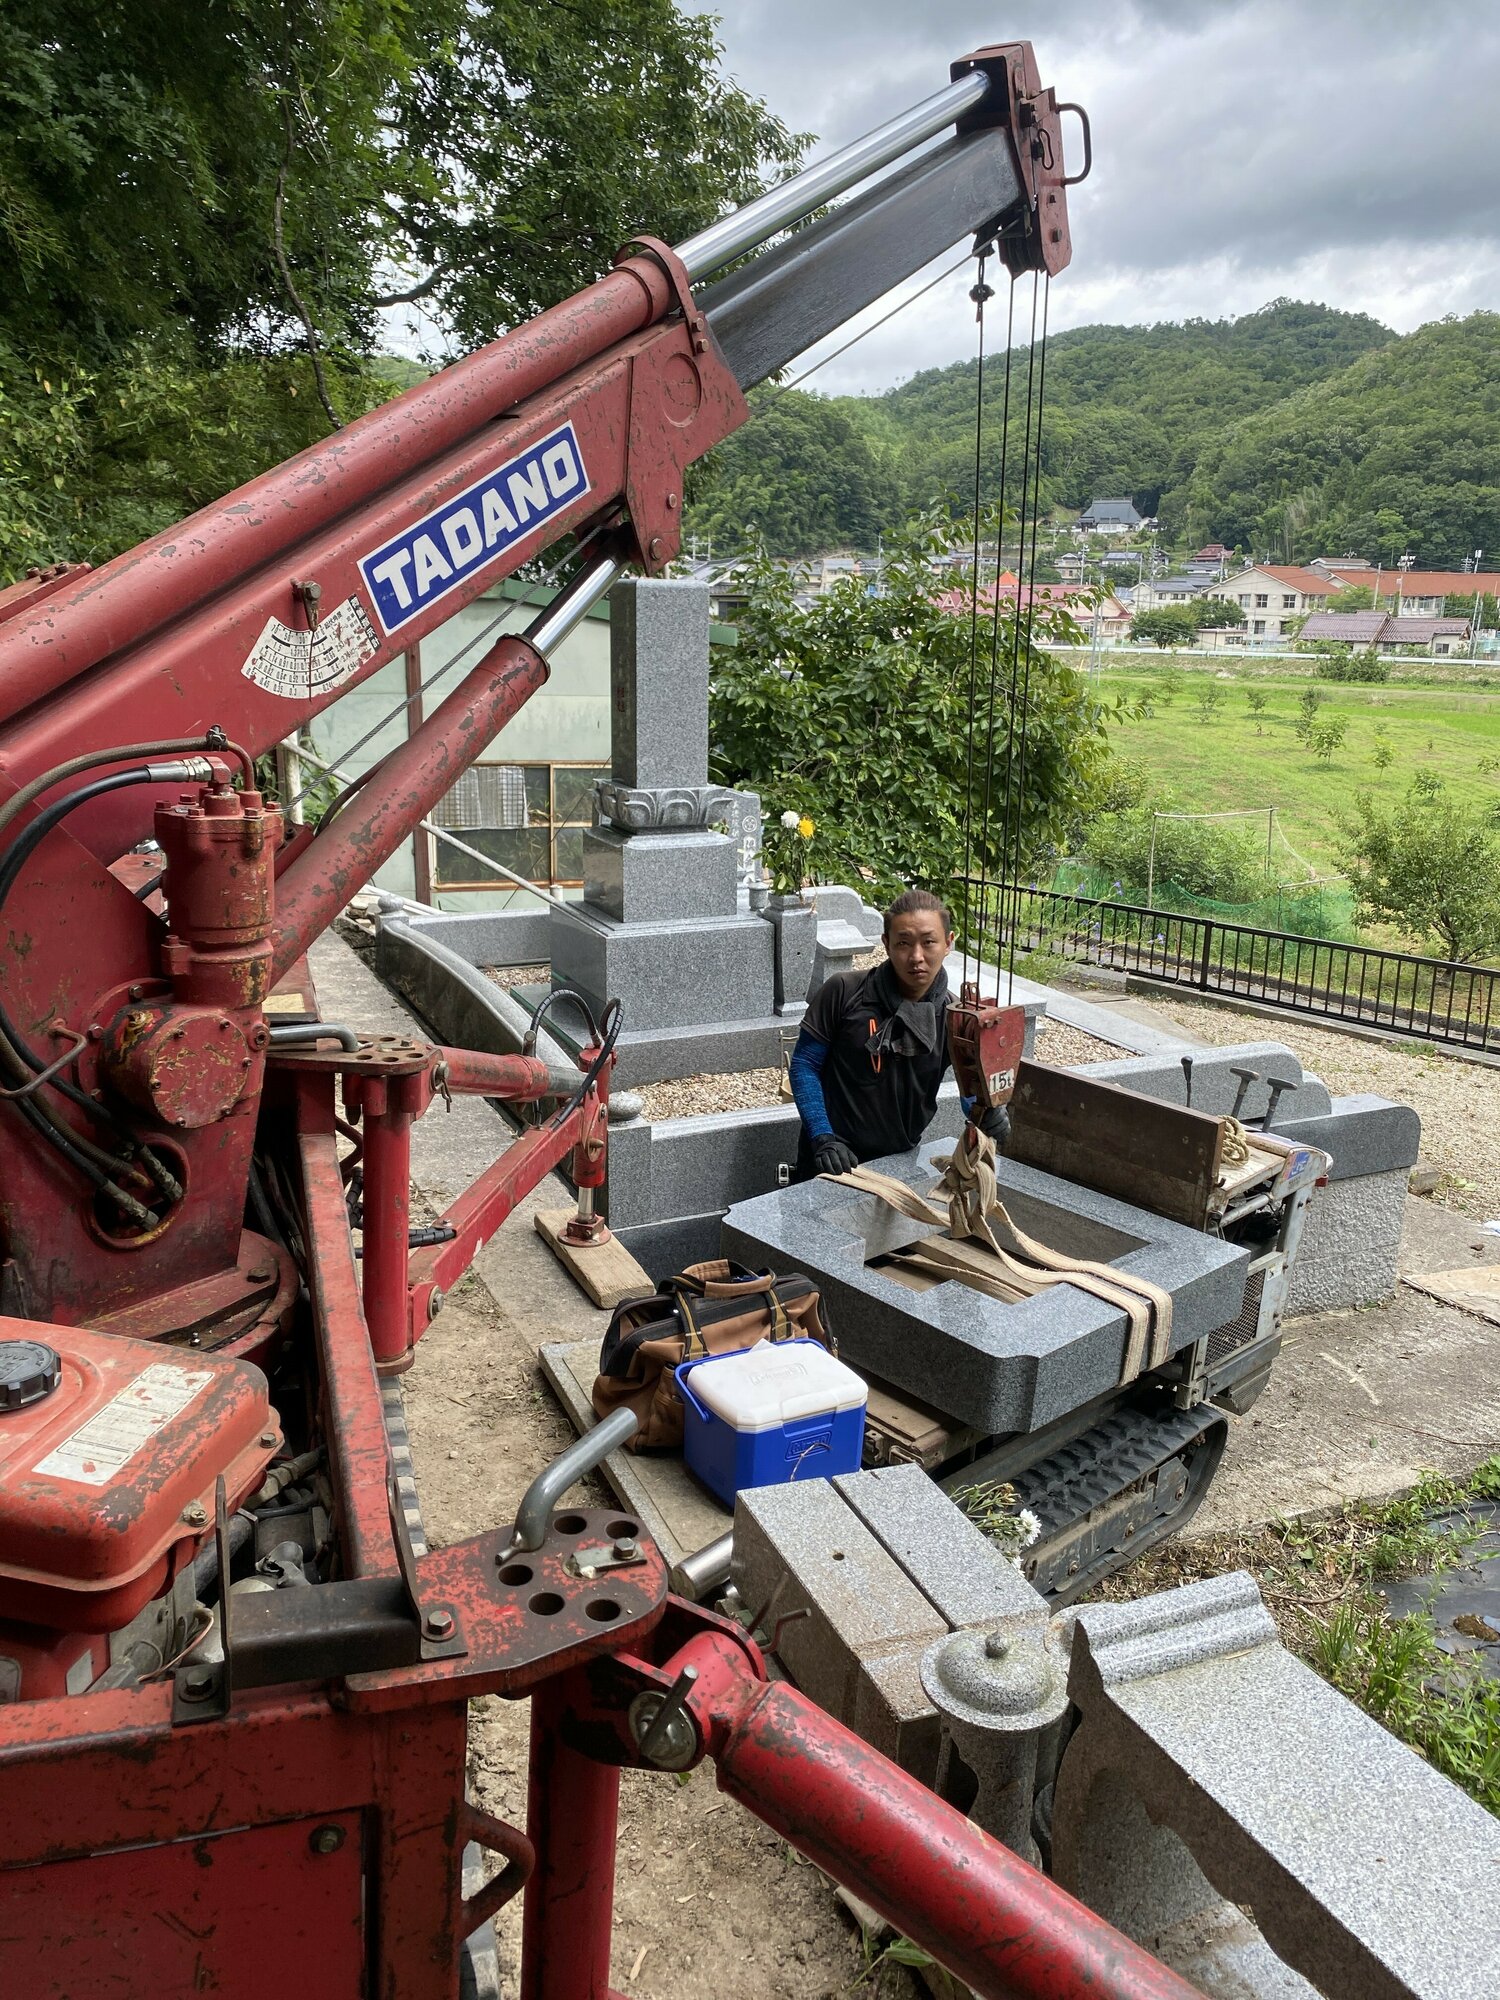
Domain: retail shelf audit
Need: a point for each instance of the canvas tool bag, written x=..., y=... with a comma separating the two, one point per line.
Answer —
x=712, y=1308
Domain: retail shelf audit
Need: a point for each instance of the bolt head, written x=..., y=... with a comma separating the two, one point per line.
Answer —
x=260, y=1274
x=438, y=1624
x=434, y=1303
x=198, y=1685
x=195, y=1515
x=268, y=1440
x=326, y=1839
x=627, y=1545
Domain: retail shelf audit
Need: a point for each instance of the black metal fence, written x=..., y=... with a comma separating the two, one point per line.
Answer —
x=1434, y=999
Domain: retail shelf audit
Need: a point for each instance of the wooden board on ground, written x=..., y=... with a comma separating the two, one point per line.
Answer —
x=1474, y=1290
x=606, y=1271
x=1157, y=1156
x=658, y=1490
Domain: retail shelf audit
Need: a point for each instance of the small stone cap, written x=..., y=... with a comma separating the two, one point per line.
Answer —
x=1001, y=1680
x=28, y=1372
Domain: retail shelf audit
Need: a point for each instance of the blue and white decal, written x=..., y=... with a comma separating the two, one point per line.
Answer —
x=419, y=567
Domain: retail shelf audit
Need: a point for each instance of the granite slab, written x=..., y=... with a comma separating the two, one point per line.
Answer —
x=1002, y=1367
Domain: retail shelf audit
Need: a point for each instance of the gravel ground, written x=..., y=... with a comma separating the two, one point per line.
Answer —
x=1458, y=1102
x=692, y=1096
x=512, y=976
x=1065, y=1047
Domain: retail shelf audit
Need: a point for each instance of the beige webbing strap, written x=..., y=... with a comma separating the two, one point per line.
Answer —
x=974, y=1215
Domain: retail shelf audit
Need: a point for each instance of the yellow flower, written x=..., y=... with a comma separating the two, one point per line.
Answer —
x=806, y=827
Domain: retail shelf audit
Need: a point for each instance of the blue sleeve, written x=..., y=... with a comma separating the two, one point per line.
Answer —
x=807, y=1064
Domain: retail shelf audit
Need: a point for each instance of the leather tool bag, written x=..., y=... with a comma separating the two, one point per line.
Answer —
x=712, y=1308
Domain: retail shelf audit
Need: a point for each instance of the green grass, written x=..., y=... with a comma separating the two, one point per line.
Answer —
x=1234, y=760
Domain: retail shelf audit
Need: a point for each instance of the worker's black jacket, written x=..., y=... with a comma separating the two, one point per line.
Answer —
x=886, y=1058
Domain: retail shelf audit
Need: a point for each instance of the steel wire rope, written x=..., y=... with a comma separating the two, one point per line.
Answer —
x=995, y=631
x=1036, y=510
x=1014, y=804
x=980, y=293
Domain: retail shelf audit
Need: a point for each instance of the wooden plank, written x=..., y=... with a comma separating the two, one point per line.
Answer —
x=657, y=1489
x=606, y=1271
x=1473, y=1290
x=1156, y=1156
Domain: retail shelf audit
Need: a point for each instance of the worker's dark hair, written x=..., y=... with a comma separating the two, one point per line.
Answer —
x=913, y=900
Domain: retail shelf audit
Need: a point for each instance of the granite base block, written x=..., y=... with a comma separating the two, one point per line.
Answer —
x=643, y=878
x=662, y=1248
x=1350, y=1239
x=666, y=975
x=1004, y=1368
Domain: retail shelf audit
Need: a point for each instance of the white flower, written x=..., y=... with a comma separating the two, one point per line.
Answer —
x=789, y=820
x=1030, y=1527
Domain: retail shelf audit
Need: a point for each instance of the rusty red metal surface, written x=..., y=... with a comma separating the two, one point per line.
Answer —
x=991, y=1918
x=107, y=1483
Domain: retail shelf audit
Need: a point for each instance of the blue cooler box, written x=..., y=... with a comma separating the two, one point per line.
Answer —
x=775, y=1412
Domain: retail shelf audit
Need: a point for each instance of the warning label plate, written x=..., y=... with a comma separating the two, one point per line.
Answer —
x=99, y=1450
x=299, y=664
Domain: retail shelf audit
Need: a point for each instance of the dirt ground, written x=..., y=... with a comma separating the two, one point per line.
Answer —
x=710, y=1905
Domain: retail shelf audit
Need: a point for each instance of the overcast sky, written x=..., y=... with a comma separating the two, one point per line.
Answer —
x=1346, y=151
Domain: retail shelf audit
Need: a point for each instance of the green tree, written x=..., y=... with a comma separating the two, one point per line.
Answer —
x=1210, y=699
x=800, y=477
x=1259, y=702
x=857, y=711
x=1173, y=625
x=204, y=208
x=1358, y=597
x=1325, y=738
x=1308, y=703
x=1429, y=865
x=1145, y=844
x=1216, y=612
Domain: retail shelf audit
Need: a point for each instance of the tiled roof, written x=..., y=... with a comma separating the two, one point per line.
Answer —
x=1354, y=628
x=1422, y=582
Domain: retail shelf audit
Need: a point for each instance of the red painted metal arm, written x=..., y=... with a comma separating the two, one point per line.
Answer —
x=982, y=1911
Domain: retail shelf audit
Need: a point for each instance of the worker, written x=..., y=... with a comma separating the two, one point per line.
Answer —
x=874, y=1048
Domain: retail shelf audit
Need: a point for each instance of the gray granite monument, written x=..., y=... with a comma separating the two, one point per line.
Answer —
x=663, y=925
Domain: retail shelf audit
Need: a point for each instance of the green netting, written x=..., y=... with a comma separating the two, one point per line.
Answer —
x=1305, y=909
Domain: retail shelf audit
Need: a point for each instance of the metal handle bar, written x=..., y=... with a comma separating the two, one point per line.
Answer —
x=553, y=1481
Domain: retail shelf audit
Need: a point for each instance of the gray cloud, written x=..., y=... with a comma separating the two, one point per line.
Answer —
x=1344, y=150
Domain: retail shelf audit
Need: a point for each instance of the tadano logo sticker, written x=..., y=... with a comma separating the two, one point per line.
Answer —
x=417, y=568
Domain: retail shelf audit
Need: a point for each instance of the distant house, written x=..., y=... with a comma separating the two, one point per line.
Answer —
x=1273, y=597
x=1155, y=592
x=1383, y=631
x=1211, y=560
x=1109, y=617
x=1411, y=593
x=1111, y=517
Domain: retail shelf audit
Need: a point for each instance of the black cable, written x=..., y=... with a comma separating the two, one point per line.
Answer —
x=614, y=1020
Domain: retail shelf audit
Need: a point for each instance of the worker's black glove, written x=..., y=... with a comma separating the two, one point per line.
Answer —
x=832, y=1156
x=995, y=1124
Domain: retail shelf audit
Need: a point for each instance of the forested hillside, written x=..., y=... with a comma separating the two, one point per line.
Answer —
x=1292, y=430
x=1399, y=452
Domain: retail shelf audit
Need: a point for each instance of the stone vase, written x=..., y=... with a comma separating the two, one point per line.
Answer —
x=796, y=927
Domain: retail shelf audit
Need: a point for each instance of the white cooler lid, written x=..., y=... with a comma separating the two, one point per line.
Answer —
x=775, y=1382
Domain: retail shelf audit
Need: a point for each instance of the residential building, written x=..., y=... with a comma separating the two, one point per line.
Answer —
x=1274, y=597
x=1411, y=593
x=1111, y=517
x=1110, y=617
x=1384, y=631
x=1155, y=592
x=1211, y=560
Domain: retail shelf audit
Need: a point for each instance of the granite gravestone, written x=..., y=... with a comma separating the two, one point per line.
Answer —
x=661, y=925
